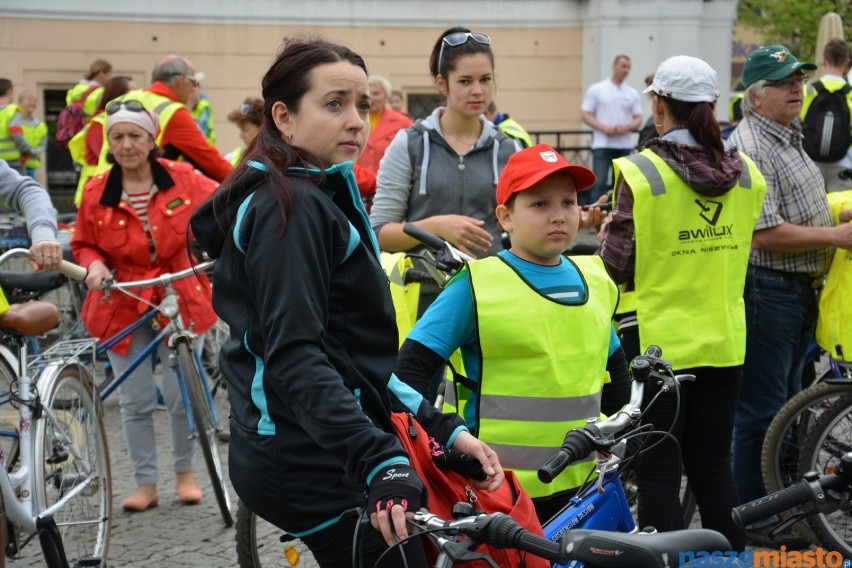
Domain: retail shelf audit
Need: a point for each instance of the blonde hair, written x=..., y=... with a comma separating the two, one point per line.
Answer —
x=98, y=66
x=386, y=85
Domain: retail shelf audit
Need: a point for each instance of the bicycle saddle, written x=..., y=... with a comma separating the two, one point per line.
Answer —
x=23, y=286
x=639, y=550
x=29, y=319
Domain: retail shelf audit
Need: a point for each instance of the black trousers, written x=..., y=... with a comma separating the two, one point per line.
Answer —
x=704, y=432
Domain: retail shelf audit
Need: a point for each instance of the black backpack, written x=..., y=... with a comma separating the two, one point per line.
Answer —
x=826, y=127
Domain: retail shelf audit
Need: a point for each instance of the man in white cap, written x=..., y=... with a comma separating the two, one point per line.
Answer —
x=172, y=83
x=792, y=247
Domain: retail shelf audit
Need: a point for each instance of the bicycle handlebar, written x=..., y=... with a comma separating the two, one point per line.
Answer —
x=161, y=280
x=69, y=269
x=496, y=529
x=582, y=441
x=812, y=489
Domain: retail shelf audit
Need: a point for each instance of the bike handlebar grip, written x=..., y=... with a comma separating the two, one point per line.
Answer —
x=772, y=504
x=73, y=271
x=575, y=447
x=432, y=241
x=504, y=532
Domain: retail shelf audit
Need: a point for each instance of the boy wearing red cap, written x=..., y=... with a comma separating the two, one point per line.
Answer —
x=534, y=328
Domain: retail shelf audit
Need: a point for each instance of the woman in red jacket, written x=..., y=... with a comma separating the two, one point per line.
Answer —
x=384, y=124
x=133, y=220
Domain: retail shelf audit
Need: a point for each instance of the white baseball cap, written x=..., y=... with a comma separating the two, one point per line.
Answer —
x=687, y=79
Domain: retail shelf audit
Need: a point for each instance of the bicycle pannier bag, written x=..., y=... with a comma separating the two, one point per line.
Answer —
x=446, y=488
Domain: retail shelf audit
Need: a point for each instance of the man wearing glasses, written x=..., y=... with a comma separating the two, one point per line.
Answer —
x=172, y=83
x=791, y=251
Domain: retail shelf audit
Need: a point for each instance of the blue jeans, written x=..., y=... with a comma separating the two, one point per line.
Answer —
x=602, y=165
x=781, y=312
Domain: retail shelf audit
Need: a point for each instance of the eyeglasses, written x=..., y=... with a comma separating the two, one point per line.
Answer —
x=789, y=82
x=460, y=38
x=191, y=79
x=131, y=105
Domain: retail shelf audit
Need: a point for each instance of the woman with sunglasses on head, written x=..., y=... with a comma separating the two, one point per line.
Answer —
x=314, y=339
x=132, y=224
x=85, y=146
x=442, y=172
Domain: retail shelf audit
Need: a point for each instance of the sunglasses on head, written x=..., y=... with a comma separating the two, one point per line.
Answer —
x=460, y=38
x=131, y=105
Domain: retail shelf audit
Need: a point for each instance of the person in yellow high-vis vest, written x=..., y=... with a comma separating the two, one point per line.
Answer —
x=685, y=210
x=91, y=86
x=34, y=130
x=534, y=328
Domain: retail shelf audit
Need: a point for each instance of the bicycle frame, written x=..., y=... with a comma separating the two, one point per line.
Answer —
x=174, y=330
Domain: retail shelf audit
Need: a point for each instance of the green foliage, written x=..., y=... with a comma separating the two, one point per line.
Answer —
x=794, y=23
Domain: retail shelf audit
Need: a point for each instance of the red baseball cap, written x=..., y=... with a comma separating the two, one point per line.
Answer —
x=528, y=167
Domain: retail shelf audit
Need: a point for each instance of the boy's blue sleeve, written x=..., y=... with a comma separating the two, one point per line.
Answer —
x=448, y=322
x=614, y=341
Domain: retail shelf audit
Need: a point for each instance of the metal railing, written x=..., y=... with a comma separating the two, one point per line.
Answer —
x=574, y=145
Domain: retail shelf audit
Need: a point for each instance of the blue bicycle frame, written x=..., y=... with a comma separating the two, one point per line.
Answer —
x=590, y=509
x=149, y=350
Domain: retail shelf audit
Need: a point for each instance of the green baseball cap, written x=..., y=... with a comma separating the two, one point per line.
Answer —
x=773, y=63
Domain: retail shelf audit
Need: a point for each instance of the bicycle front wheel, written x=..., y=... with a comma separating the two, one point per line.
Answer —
x=205, y=428
x=259, y=543
x=829, y=439
x=71, y=469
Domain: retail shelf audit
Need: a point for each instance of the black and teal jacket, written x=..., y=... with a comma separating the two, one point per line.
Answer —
x=313, y=343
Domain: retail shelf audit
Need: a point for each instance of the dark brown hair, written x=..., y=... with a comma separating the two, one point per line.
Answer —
x=700, y=120
x=287, y=81
x=114, y=88
x=836, y=52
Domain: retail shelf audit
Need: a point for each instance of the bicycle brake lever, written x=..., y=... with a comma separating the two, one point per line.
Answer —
x=459, y=552
x=789, y=522
x=605, y=464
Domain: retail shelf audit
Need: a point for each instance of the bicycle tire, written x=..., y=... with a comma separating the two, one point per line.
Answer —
x=214, y=339
x=831, y=433
x=259, y=543
x=85, y=521
x=779, y=460
x=205, y=429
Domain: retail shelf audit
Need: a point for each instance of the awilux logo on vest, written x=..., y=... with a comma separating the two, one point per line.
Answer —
x=709, y=213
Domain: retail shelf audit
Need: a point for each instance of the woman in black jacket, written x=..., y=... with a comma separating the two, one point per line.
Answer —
x=313, y=333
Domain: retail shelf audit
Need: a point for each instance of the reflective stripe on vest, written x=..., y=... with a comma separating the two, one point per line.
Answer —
x=543, y=365
x=691, y=259
x=8, y=149
x=164, y=107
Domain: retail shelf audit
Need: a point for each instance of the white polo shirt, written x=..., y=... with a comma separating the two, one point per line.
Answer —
x=612, y=104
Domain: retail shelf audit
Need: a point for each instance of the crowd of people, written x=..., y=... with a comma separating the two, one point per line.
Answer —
x=330, y=170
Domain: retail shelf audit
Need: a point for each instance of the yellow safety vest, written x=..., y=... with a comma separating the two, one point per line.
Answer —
x=90, y=105
x=543, y=366
x=8, y=149
x=681, y=236
x=833, y=333
x=210, y=132
x=164, y=107
x=77, y=147
x=513, y=128
x=34, y=135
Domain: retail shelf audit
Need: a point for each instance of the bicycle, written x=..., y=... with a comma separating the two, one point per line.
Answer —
x=813, y=497
x=56, y=481
x=458, y=539
x=194, y=385
x=789, y=430
x=828, y=441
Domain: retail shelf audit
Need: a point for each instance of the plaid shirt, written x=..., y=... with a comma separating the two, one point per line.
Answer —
x=795, y=191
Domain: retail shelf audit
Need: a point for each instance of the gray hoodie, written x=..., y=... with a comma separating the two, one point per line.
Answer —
x=421, y=176
x=24, y=195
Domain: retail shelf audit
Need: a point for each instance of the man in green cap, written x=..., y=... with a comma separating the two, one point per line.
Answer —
x=791, y=251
